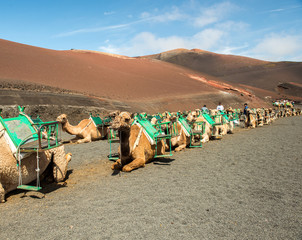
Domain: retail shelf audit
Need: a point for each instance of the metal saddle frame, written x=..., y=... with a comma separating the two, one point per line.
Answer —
x=27, y=136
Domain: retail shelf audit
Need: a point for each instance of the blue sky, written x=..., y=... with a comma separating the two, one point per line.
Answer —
x=268, y=30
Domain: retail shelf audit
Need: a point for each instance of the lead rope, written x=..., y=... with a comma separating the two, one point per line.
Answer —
x=120, y=132
x=86, y=126
x=138, y=138
x=38, y=169
x=19, y=167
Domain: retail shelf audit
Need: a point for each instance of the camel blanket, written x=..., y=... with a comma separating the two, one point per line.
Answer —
x=184, y=129
x=150, y=139
x=10, y=143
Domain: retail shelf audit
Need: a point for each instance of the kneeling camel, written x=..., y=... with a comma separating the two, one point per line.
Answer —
x=9, y=174
x=135, y=149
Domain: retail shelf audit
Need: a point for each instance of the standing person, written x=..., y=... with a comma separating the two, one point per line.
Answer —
x=205, y=109
x=220, y=107
x=245, y=109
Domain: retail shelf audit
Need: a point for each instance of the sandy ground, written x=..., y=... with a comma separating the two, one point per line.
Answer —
x=246, y=186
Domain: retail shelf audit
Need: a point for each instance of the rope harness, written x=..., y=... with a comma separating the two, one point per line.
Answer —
x=86, y=126
x=138, y=138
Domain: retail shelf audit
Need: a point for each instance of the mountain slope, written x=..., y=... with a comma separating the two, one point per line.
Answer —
x=236, y=69
x=95, y=73
x=112, y=81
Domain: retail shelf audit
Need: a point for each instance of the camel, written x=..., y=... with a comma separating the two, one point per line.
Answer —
x=221, y=127
x=267, y=116
x=261, y=117
x=250, y=120
x=195, y=116
x=135, y=149
x=230, y=122
x=288, y=112
x=181, y=140
x=9, y=174
x=85, y=131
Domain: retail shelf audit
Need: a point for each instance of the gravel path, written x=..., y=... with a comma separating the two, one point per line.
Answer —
x=246, y=186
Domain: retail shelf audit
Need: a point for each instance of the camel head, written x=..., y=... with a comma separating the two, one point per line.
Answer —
x=229, y=110
x=169, y=121
x=122, y=121
x=114, y=114
x=62, y=118
x=213, y=112
x=192, y=116
x=153, y=120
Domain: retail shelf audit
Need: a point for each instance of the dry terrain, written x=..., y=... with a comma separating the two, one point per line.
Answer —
x=245, y=186
x=35, y=76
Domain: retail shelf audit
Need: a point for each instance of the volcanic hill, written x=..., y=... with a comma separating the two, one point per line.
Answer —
x=281, y=78
x=79, y=82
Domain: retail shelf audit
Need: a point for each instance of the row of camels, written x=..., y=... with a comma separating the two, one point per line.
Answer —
x=135, y=148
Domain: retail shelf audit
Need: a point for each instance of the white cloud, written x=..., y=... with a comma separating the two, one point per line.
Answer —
x=174, y=15
x=93, y=30
x=232, y=26
x=277, y=47
x=206, y=39
x=109, y=49
x=283, y=9
x=213, y=14
x=231, y=50
x=147, y=43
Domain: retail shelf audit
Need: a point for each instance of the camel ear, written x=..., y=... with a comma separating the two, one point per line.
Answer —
x=132, y=115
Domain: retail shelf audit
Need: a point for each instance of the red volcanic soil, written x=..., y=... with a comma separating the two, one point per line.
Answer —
x=113, y=81
x=256, y=74
x=96, y=73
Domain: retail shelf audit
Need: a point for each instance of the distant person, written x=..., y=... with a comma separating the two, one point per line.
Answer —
x=288, y=104
x=245, y=109
x=220, y=107
x=205, y=109
x=277, y=104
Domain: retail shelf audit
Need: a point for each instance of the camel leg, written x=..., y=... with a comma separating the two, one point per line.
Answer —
x=2, y=194
x=85, y=140
x=205, y=138
x=180, y=147
x=73, y=140
x=136, y=163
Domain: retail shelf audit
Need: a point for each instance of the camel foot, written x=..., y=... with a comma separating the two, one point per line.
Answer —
x=127, y=169
x=117, y=165
x=2, y=194
x=178, y=149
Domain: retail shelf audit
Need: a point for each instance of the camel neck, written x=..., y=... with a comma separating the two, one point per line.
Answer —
x=67, y=127
x=124, y=135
